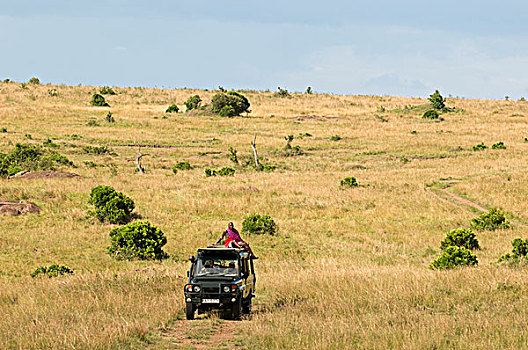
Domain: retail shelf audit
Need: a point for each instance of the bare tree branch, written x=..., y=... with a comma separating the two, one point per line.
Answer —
x=138, y=160
x=254, y=146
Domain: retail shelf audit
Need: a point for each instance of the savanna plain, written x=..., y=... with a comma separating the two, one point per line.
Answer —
x=347, y=267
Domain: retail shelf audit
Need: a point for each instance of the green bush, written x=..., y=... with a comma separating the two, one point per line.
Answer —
x=110, y=205
x=431, y=114
x=110, y=118
x=492, y=220
x=520, y=249
x=225, y=171
x=98, y=100
x=437, y=101
x=233, y=155
x=498, y=145
x=309, y=90
x=34, y=81
x=106, y=90
x=29, y=157
x=281, y=93
x=96, y=150
x=454, y=256
x=480, y=147
x=259, y=224
x=3, y=130
x=229, y=104
x=461, y=237
x=335, y=138
x=266, y=167
x=54, y=270
x=172, y=109
x=349, y=182
x=181, y=166
x=193, y=102
x=137, y=240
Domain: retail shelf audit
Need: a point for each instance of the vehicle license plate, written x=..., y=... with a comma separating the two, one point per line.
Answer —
x=211, y=301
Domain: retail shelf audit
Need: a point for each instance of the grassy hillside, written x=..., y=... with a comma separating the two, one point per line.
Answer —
x=347, y=268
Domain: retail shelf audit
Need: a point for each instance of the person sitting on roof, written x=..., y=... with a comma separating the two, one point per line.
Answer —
x=234, y=240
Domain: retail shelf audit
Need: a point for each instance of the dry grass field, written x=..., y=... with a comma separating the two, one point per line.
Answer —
x=348, y=268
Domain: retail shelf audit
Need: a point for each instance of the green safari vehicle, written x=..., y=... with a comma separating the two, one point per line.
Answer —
x=220, y=278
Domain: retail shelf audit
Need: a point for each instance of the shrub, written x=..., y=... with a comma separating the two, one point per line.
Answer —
x=98, y=100
x=54, y=270
x=181, y=166
x=34, y=81
x=520, y=249
x=28, y=157
x=227, y=111
x=266, y=167
x=309, y=90
x=193, y=102
x=335, y=138
x=49, y=143
x=53, y=92
x=225, y=171
x=110, y=118
x=492, y=220
x=92, y=122
x=454, y=256
x=498, y=145
x=96, y=150
x=3, y=130
x=259, y=224
x=431, y=114
x=229, y=104
x=137, y=240
x=172, y=109
x=437, y=101
x=461, y=237
x=106, y=90
x=349, y=182
x=110, y=205
x=233, y=155
x=281, y=93
x=480, y=147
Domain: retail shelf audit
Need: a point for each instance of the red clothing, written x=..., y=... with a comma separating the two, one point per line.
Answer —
x=232, y=235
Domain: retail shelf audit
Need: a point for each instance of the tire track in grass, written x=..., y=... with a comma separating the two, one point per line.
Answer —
x=209, y=333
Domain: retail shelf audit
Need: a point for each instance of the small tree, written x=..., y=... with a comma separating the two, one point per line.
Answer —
x=437, y=101
x=461, y=237
x=193, y=102
x=454, y=256
x=349, y=182
x=106, y=90
x=229, y=104
x=492, y=220
x=98, y=100
x=110, y=205
x=34, y=81
x=172, y=109
x=259, y=224
x=137, y=240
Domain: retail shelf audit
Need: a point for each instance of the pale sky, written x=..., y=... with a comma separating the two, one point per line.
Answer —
x=472, y=49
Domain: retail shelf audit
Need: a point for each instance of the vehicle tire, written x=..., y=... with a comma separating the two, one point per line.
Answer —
x=189, y=311
x=246, y=306
x=236, y=309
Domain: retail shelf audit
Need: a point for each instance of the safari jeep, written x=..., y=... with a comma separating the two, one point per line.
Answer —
x=220, y=278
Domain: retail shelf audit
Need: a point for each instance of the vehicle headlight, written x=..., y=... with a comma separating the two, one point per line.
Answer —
x=196, y=289
x=227, y=289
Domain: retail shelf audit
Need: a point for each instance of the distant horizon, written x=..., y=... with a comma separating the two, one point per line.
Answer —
x=249, y=89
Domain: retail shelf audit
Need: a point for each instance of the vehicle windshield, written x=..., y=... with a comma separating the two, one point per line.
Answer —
x=216, y=266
